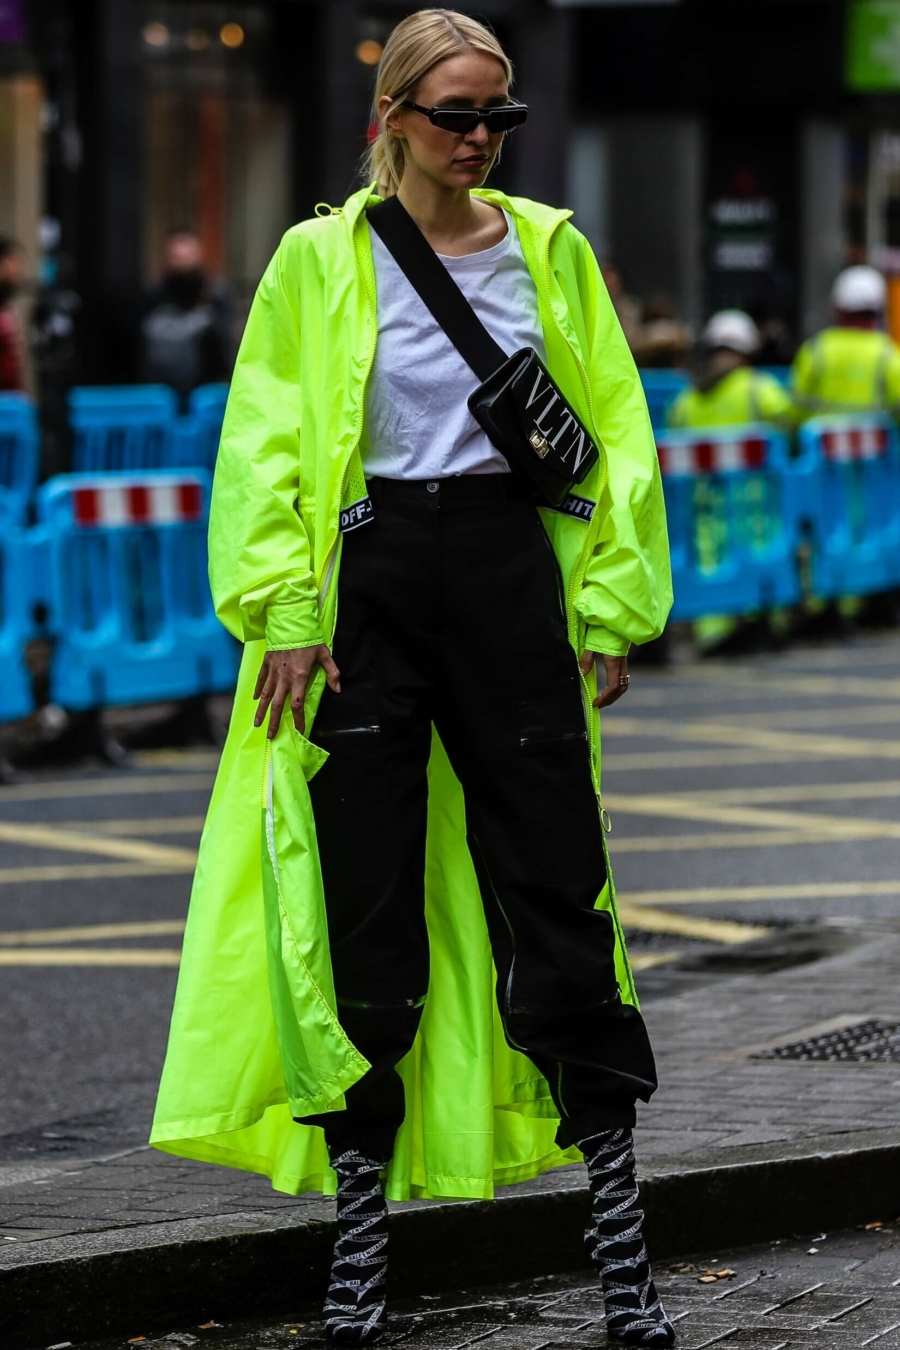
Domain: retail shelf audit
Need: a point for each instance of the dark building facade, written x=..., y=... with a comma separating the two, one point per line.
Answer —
x=721, y=154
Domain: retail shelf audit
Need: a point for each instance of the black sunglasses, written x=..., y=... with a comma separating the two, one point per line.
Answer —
x=506, y=117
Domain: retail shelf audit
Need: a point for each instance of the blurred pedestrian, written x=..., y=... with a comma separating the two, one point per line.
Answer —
x=663, y=342
x=727, y=390
x=627, y=307
x=12, y=277
x=852, y=366
x=188, y=321
x=455, y=822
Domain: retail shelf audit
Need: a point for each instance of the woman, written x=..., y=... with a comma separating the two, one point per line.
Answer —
x=423, y=621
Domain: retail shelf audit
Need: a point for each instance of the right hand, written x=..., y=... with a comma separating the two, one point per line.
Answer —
x=285, y=676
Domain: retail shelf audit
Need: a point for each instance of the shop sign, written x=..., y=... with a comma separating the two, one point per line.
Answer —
x=12, y=21
x=743, y=234
x=873, y=45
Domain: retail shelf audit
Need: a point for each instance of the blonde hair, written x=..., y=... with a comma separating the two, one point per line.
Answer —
x=417, y=44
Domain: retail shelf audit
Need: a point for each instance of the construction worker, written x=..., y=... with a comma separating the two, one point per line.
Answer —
x=853, y=366
x=727, y=392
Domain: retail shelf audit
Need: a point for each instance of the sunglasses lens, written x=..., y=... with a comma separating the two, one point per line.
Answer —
x=458, y=120
x=506, y=119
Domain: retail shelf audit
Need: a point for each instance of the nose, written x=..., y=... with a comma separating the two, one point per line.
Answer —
x=479, y=135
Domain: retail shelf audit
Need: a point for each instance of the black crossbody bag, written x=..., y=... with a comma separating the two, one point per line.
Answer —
x=518, y=405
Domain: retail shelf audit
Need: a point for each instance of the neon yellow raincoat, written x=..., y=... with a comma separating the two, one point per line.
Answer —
x=255, y=1039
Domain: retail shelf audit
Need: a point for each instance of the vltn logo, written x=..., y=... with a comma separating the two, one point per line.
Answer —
x=553, y=422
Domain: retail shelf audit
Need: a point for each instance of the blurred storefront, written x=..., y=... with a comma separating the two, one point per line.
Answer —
x=740, y=154
x=720, y=155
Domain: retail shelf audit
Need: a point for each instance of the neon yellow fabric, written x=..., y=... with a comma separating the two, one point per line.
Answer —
x=846, y=370
x=743, y=395
x=255, y=1038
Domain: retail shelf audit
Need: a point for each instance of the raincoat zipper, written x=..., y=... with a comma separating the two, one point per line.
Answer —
x=332, y=557
x=577, y=573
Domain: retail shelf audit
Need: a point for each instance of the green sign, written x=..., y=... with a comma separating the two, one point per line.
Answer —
x=873, y=45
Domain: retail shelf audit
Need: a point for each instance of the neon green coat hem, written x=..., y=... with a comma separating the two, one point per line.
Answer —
x=198, y=1140
x=256, y=1039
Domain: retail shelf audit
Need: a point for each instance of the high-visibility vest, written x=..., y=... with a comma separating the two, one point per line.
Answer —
x=743, y=395
x=846, y=370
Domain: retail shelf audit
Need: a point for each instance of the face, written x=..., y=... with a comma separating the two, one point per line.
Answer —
x=184, y=253
x=12, y=268
x=470, y=80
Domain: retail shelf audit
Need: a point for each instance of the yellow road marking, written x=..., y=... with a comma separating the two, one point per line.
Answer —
x=104, y=956
x=649, y=920
x=113, y=786
x=14, y=876
x=649, y=959
x=680, y=843
x=177, y=759
x=802, y=792
x=784, y=684
x=73, y=841
x=723, y=733
x=691, y=759
x=148, y=825
x=95, y=932
x=810, y=890
x=686, y=808
x=866, y=715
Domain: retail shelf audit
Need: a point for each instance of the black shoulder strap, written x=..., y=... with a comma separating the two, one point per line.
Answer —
x=428, y=276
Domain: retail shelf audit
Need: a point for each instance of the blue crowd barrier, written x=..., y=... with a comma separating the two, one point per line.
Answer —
x=16, y=626
x=852, y=503
x=661, y=388
x=130, y=606
x=128, y=427
x=19, y=453
x=207, y=405
x=734, y=506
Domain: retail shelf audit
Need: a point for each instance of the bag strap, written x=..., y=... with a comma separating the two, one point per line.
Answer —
x=435, y=286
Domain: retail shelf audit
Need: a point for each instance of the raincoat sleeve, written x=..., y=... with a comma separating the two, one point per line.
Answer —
x=259, y=553
x=627, y=590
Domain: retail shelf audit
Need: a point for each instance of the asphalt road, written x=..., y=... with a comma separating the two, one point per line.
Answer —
x=747, y=798
x=833, y=1292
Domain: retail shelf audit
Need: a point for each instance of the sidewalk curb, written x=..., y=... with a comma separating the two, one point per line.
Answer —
x=281, y=1270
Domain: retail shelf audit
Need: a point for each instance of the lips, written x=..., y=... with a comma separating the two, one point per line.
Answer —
x=473, y=160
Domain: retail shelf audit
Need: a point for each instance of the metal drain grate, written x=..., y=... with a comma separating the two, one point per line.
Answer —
x=873, y=1041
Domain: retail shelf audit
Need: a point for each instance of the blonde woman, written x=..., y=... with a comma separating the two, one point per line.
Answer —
x=411, y=980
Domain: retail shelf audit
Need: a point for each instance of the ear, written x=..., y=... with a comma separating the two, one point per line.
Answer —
x=392, y=124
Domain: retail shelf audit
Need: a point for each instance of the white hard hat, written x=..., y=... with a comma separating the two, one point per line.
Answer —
x=734, y=329
x=859, y=289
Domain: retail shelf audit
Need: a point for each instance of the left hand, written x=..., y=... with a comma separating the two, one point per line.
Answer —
x=617, y=677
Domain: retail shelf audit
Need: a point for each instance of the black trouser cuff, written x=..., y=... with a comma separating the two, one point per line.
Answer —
x=576, y=1129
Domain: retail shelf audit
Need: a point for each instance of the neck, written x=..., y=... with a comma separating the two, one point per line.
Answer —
x=847, y=319
x=439, y=211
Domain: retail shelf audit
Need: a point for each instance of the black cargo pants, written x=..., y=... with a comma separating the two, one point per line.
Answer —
x=450, y=612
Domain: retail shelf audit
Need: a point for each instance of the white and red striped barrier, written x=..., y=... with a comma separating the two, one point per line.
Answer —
x=692, y=459
x=112, y=504
x=847, y=444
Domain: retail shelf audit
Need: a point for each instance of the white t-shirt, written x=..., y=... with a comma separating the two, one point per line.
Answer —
x=417, y=424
